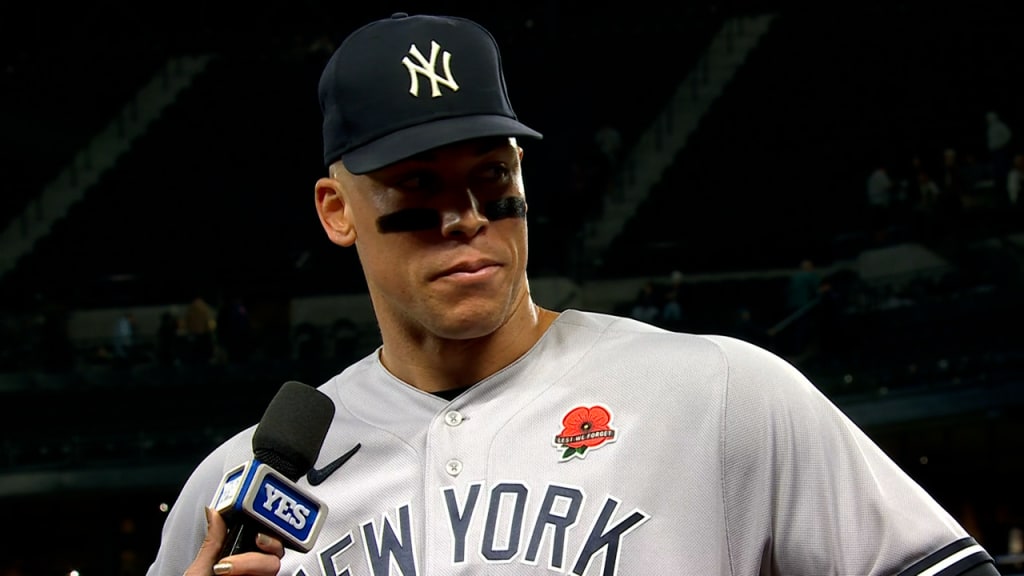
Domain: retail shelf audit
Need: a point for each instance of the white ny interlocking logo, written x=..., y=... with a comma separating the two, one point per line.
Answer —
x=429, y=69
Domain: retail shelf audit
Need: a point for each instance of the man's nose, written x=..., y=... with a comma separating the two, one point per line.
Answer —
x=462, y=215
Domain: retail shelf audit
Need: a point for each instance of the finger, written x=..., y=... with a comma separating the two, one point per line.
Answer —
x=270, y=545
x=209, y=552
x=250, y=564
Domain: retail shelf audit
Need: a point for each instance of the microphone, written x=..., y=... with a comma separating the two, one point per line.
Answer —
x=260, y=495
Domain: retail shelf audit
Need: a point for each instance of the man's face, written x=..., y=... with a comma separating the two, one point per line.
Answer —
x=441, y=237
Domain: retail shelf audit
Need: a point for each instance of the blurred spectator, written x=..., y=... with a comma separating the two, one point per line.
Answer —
x=672, y=307
x=804, y=286
x=675, y=280
x=1014, y=181
x=802, y=294
x=308, y=343
x=949, y=208
x=745, y=328
x=879, y=199
x=907, y=191
x=646, y=307
x=925, y=209
x=168, y=338
x=1010, y=216
x=671, y=316
x=199, y=332
x=999, y=137
x=123, y=343
x=345, y=339
x=1015, y=541
x=233, y=330
x=928, y=192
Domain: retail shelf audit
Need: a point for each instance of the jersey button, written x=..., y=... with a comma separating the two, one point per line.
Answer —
x=453, y=467
x=453, y=418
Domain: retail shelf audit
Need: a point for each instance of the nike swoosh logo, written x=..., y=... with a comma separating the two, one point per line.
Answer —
x=316, y=477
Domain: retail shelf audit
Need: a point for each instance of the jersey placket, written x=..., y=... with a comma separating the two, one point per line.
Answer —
x=450, y=468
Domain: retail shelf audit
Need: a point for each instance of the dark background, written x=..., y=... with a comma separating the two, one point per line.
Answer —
x=214, y=200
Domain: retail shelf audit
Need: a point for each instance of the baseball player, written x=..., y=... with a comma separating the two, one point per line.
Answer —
x=488, y=435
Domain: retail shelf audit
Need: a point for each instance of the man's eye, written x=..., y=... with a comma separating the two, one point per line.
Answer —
x=496, y=174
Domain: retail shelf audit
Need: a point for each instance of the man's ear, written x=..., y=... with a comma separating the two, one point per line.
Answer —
x=334, y=212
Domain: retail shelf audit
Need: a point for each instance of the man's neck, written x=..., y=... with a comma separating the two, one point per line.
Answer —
x=434, y=364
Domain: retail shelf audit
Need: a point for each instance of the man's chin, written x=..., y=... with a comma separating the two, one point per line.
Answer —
x=470, y=323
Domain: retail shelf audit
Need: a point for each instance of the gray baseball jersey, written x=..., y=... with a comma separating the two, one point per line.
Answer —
x=611, y=448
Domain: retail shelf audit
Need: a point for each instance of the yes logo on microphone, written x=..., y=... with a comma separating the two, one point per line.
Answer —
x=261, y=493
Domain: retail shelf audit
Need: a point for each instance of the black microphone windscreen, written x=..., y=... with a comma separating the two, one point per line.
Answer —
x=292, y=430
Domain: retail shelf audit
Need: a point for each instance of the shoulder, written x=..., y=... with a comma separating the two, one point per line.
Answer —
x=356, y=374
x=708, y=360
x=611, y=331
x=624, y=337
x=762, y=384
x=579, y=322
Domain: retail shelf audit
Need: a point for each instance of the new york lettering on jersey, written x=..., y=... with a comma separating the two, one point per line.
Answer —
x=508, y=535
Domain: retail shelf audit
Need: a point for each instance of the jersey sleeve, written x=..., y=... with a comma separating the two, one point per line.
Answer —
x=807, y=492
x=185, y=526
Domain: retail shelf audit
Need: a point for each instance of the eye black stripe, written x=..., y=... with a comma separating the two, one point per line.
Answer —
x=409, y=220
x=419, y=219
x=510, y=207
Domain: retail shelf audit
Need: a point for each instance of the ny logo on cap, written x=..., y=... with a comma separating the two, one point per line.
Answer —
x=429, y=70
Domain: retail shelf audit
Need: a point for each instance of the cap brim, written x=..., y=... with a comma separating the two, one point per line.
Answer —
x=417, y=139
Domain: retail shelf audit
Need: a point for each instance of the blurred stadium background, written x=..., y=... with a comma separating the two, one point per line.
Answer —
x=158, y=174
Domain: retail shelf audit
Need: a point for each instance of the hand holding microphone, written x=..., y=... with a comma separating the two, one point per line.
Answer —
x=266, y=564
x=260, y=495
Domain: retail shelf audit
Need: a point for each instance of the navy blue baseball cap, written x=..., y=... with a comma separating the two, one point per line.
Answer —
x=406, y=84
